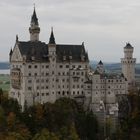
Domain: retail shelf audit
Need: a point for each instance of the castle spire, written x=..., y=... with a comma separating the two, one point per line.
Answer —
x=34, y=19
x=52, y=39
x=34, y=28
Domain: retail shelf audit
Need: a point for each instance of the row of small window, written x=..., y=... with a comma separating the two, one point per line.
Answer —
x=16, y=66
x=78, y=73
x=118, y=92
x=102, y=87
x=47, y=80
x=63, y=93
x=63, y=86
x=110, y=81
x=104, y=92
x=72, y=93
x=15, y=73
x=35, y=66
x=60, y=66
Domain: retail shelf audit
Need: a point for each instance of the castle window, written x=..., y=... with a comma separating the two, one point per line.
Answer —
x=47, y=73
x=29, y=88
x=63, y=73
x=78, y=92
x=67, y=66
x=47, y=94
x=59, y=92
x=42, y=94
x=52, y=72
x=42, y=87
x=37, y=80
x=108, y=92
x=29, y=81
x=47, y=66
x=35, y=66
x=73, y=92
x=37, y=87
x=63, y=92
x=42, y=66
x=73, y=86
x=46, y=87
x=73, y=66
x=77, y=86
x=37, y=94
x=61, y=66
x=82, y=73
x=73, y=73
x=29, y=66
x=35, y=74
x=29, y=74
x=77, y=73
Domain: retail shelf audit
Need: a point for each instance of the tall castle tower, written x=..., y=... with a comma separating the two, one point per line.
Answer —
x=34, y=28
x=128, y=64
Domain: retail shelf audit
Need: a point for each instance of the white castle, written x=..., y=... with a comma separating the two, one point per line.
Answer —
x=43, y=72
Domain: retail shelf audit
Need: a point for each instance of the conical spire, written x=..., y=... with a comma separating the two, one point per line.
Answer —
x=100, y=62
x=128, y=45
x=34, y=19
x=52, y=39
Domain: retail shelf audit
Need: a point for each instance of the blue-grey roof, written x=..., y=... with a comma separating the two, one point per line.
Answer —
x=128, y=46
x=39, y=50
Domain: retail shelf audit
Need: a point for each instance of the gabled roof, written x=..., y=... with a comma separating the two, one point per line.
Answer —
x=39, y=50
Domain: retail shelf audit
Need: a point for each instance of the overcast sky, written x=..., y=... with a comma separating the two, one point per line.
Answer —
x=104, y=25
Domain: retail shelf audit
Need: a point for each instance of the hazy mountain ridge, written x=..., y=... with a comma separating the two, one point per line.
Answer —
x=4, y=65
x=113, y=67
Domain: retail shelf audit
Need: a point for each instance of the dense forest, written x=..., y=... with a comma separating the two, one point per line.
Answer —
x=63, y=120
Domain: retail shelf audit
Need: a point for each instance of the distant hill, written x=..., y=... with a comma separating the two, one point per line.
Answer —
x=113, y=67
x=4, y=65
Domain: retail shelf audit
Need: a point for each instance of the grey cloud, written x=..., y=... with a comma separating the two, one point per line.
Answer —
x=102, y=24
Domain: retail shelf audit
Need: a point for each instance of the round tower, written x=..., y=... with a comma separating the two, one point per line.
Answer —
x=128, y=64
